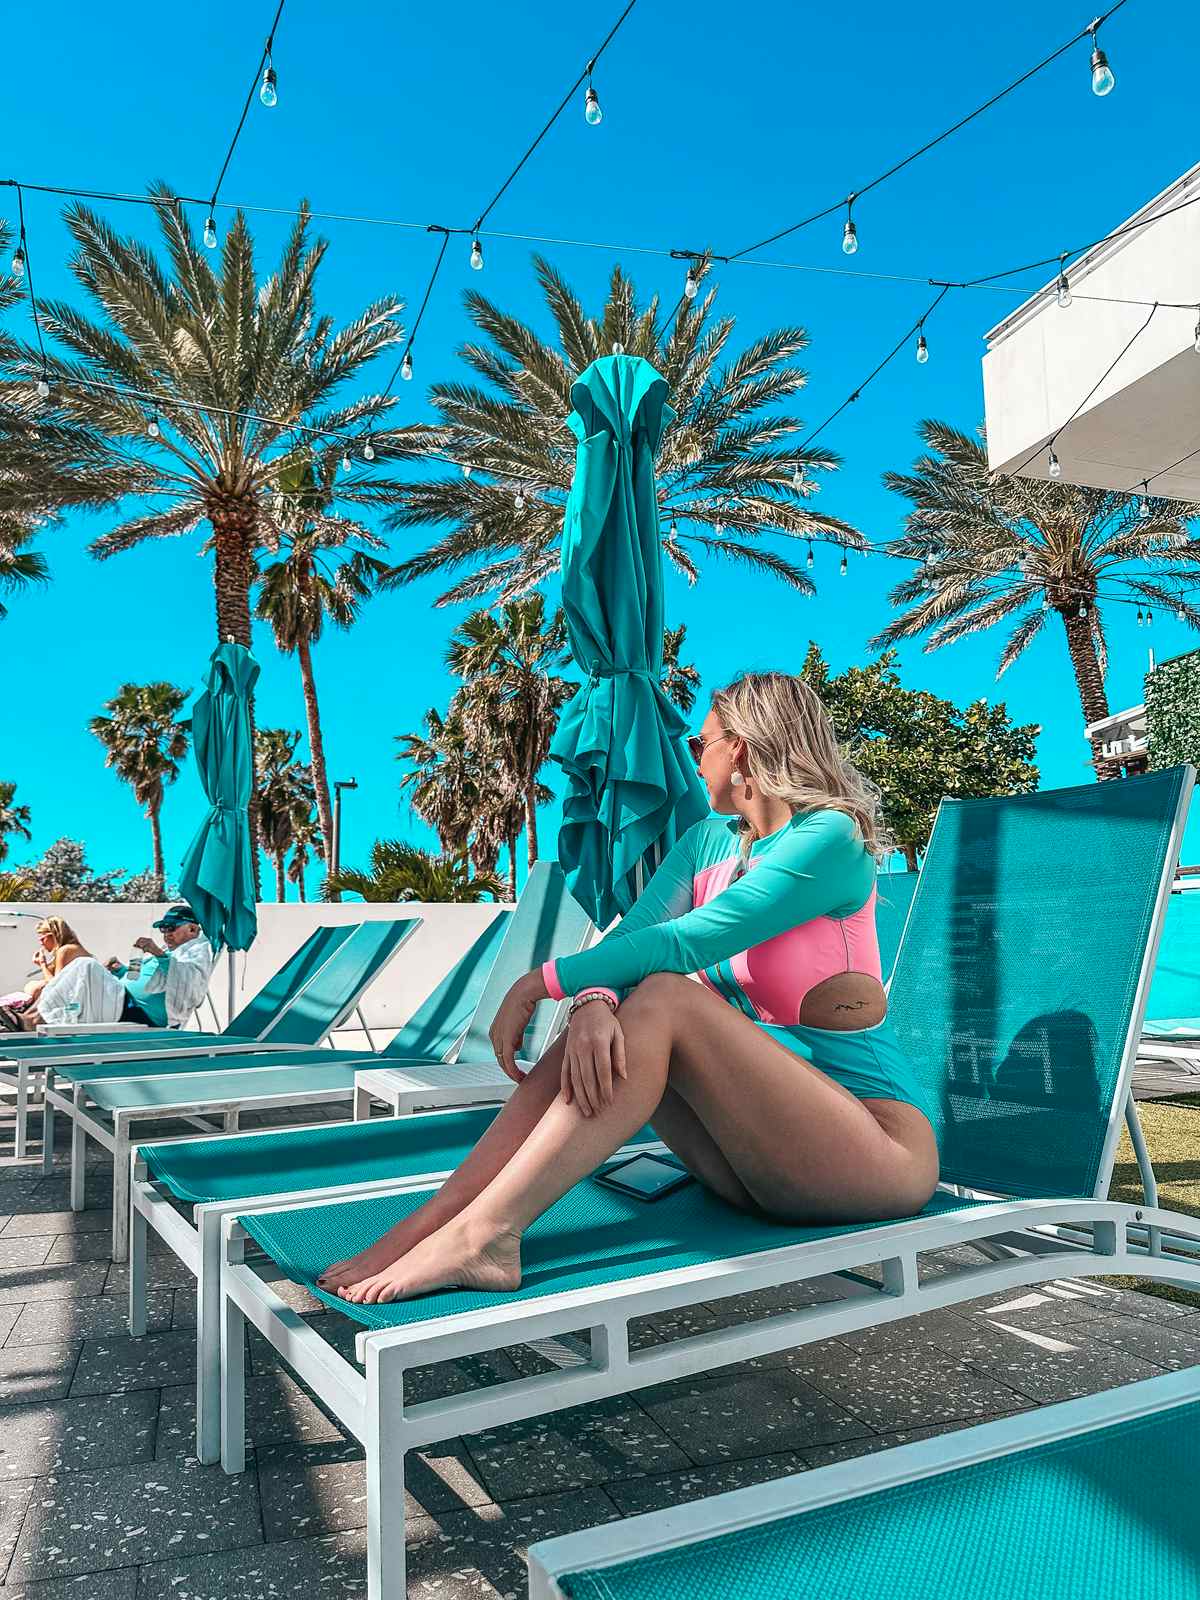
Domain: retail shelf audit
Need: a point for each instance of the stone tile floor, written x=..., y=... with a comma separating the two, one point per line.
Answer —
x=101, y=1499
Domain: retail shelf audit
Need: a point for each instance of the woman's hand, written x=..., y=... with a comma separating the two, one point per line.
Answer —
x=595, y=1054
x=511, y=1020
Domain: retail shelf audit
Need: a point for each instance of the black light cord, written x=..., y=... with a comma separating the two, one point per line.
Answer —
x=237, y=132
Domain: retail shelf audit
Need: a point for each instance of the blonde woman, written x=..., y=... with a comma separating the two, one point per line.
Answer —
x=74, y=986
x=776, y=1080
x=57, y=946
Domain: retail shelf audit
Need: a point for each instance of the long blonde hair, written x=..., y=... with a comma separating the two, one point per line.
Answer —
x=793, y=751
x=59, y=929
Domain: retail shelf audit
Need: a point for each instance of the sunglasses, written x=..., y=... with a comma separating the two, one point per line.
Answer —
x=697, y=745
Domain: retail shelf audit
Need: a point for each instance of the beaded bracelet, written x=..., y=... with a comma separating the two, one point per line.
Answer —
x=610, y=1000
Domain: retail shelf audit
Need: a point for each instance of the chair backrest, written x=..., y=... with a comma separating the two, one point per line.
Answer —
x=259, y=1015
x=332, y=994
x=893, y=900
x=1021, y=982
x=438, y=1023
x=1175, y=991
x=546, y=922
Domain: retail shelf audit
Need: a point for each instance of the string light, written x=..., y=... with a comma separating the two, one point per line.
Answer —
x=406, y=367
x=673, y=530
x=845, y=566
x=592, y=113
x=850, y=232
x=268, y=92
x=368, y=450
x=922, y=350
x=153, y=428
x=691, y=284
x=809, y=559
x=476, y=256
x=1104, y=80
x=18, y=260
x=346, y=462
x=1064, y=288
x=519, y=500
x=1053, y=465
x=618, y=348
x=798, y=478
x=1083, y=610
x=43, y=387
x=1149, y=617
x=210, y=233
x=1144, y=506
x=1139, y=617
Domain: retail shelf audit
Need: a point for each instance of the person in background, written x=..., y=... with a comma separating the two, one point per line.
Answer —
x=57, y=947
x=174, y=976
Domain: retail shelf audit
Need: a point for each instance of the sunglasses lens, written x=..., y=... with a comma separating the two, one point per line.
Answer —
x=696, y=745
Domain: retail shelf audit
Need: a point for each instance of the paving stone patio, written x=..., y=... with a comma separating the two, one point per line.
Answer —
x=101, y=1498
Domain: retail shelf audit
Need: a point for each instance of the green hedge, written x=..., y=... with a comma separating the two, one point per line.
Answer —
x=1173, y=711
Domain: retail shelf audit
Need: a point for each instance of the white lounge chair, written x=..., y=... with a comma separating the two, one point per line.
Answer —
x=1021, y=1011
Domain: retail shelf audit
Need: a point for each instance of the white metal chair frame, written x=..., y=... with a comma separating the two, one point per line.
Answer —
x=711, y=1518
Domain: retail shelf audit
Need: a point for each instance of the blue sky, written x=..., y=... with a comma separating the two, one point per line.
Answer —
x=721, y=125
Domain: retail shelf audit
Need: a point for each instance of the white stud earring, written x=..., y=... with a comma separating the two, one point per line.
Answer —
x=736, y=778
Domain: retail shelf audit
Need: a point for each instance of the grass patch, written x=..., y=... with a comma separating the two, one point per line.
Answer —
x=1172, y=1129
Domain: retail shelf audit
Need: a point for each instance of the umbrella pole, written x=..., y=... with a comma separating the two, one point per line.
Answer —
x=232, y=986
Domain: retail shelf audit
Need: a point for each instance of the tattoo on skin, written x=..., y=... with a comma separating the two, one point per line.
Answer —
x=857, y=1005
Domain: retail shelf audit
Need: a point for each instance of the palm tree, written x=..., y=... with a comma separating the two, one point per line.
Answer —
x=680, y=681
x=511, y=695
x=15, y=886
x=145, y=741
x=197, y=384
x=306, y=841
x=401, y=872
x=324, y=570
x=727, y=474
x=1020, y=549
x=285, y=797
x=14, y=819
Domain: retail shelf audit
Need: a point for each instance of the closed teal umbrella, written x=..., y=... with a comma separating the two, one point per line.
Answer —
x=217, y=878
x=631, y=789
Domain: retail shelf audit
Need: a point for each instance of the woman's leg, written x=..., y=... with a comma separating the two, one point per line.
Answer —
x=798, y=1143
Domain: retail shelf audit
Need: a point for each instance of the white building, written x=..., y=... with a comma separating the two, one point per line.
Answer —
x=1044, y=360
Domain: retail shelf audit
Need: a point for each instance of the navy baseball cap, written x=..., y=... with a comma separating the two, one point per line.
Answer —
x=176, y=917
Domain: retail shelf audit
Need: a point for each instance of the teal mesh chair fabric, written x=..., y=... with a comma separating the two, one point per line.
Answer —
x=257, y=1015
x=894, y=892
x=547, y=922
x=334, y=991
x=439, y=1022
x=324, y=1079
x=591, y=1237
x=240, y=1168
x=1013, y=992
x=1097, y=1514
x=150, y=1040
x=1175, y=992
x=191, y=1066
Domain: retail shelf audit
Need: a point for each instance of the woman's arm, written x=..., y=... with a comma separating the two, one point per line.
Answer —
x=817, y=869
x=65, y=954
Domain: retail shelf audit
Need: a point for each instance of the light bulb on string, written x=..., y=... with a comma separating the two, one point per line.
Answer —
x=618, y=348
x=467, y=469
x=1139, y=617
x=1149, y=617
x=346, y=463
x=368, y=451
x=691, y=284
x=519, y=500
x=1053, y=464
x=673, y=530
x=845, y=566
x=849, y=234
x=809, y=558
x=922, y=350
x=153, y=428
x=798, y=478
x=406, y=367
x=592, y=113
x=18, y=260
x=43, y=387
x=476, y=256
x=210, y=233
x=1180, y=615
x=1064, y=287
x=1144, y=504
x=1045, y=604
x=268, y=89
x=1104, y=80
x=1083, y=610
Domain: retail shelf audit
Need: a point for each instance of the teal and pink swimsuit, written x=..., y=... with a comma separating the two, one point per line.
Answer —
x=761, y=934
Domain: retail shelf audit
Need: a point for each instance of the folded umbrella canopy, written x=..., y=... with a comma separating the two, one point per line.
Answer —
x=631, y=790
x=217, y=878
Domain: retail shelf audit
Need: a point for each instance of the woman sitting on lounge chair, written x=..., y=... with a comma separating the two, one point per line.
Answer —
x=58, y=947
x=776, y=1080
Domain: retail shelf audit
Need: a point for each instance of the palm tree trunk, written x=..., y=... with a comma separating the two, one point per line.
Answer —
x=280, y=879
x=531, y=831
x=316, y=751
x=300, y=886
x=910, y=856
x=234, y=526
x=1090, y=682
x=512, y=867
x=156, y=843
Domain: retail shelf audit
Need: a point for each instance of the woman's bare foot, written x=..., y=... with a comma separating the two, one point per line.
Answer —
x=456, y=1256
x=386, y=1250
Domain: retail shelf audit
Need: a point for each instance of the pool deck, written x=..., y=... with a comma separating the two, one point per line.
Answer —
x=101, y=1499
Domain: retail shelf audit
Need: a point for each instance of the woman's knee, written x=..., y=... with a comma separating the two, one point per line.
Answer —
x=661, y=993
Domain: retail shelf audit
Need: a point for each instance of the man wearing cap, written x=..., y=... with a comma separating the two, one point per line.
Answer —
x=173, y=981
